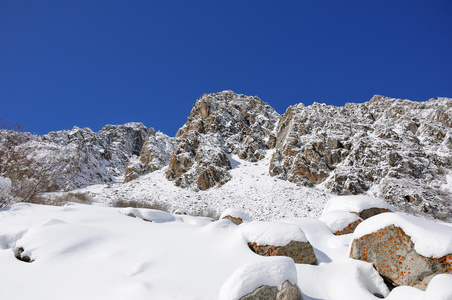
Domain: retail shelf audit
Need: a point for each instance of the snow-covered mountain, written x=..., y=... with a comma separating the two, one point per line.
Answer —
x=234, y=147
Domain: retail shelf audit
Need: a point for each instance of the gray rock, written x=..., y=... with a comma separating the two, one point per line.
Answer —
x=288, y=292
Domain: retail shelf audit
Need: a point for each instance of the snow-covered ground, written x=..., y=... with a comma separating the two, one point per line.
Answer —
x=251, y=189
x=93, y=252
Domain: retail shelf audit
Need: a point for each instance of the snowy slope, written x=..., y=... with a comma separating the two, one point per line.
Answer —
x=250, y=189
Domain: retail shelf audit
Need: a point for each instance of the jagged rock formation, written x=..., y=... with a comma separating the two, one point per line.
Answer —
x=397, y=150
x=67, y=159
x=155, y=154
x=219, y=124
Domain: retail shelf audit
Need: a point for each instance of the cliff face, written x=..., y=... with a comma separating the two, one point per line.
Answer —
x=219, y=124
x=394, y=149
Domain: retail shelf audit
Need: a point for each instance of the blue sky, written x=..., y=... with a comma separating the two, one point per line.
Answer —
x=92, y=63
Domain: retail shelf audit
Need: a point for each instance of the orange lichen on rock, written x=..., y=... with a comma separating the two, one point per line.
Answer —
x=393, y=255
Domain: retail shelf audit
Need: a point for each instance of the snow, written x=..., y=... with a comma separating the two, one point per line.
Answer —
x=431, y=239
x=274, y=271
x=236, y=213
x=96, y=252
x=272, y=233
x=354, y=203
x=338, y=219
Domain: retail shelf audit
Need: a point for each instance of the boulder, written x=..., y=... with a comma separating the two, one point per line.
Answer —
x=404, y=250
x=279, y=239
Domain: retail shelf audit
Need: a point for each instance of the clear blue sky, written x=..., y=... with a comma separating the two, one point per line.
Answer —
x=92, y=63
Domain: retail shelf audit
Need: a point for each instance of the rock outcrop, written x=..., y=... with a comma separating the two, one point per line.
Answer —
x=219, y=124
x=397, y=150
x=155, y=154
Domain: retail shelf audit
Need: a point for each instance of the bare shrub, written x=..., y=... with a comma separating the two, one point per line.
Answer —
x=142, y=204
x=75, y=197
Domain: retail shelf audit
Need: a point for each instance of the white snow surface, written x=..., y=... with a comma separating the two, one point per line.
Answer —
x=272, y=233
x=430, y=238
x=274, y=271
x=236, y=213
x=338, y=219
x=95, y=252
x=354, y=203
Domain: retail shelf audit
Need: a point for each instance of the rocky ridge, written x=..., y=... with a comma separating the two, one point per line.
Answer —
x=393, y=149
x=67, y=159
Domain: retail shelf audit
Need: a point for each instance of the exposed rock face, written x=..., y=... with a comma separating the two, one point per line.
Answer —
x=392, y=253
x=300, y=252
x=68, y=159
x=219, y=124
x=394, y=149
x=155, y=154
x=288, y=292
x=350, y=228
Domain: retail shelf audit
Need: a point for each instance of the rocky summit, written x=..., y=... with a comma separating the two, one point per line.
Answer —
x=219, y=124
x=393, y=149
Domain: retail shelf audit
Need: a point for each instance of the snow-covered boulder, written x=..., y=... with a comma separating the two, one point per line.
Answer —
x=406, y=250
x=150, y=215
x=272, y=279
x=181, y=211
x=364, y=206
x=236, y=216
x=278, y=239
x=341, y=222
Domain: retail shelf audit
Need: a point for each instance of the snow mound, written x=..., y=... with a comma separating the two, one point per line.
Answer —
x=236, y=213
x=271, y=271
x=345, y=280
x=430, y=239
x=153, y=215
x=338, y=219
x=272, y=233
x=354, y=203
